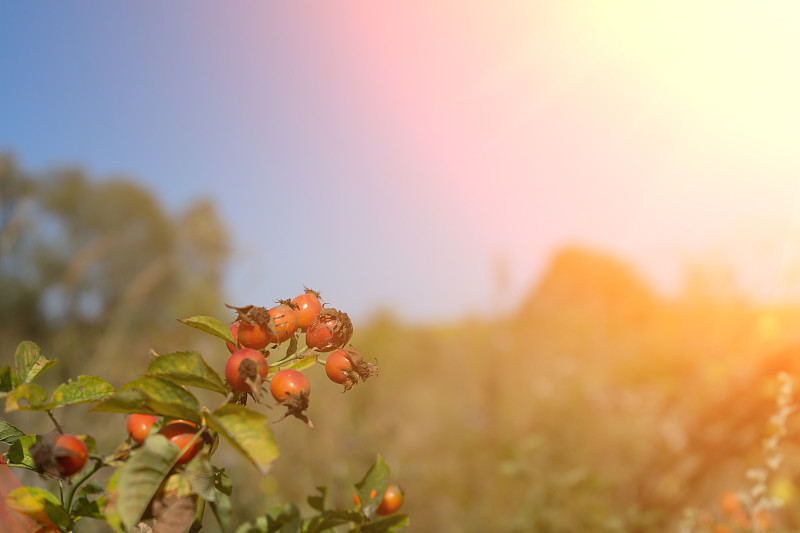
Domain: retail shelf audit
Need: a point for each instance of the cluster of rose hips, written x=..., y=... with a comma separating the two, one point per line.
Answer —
x=255, y=331
x=327, y=330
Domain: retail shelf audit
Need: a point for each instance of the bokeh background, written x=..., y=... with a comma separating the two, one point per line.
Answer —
x=568, y=231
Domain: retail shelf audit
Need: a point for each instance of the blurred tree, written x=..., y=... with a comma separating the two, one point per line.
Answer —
x=17, y=286
x=98, y=268
x=594, y=284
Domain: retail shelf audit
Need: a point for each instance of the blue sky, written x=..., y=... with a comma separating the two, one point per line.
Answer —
x=389, y=154
x=195, y=104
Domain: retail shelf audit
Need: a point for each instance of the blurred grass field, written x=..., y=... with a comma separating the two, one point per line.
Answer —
x=597, y=407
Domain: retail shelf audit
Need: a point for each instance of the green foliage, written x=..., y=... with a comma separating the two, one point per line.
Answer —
x=200, y=474
x=38, y=504
x=8, y=433
x=221, y=503
x=148, y=482
x=303, y=363
x=7, y=380
x=186, y=368
x=210, y=325
x=86, y=389
x=370, y=489
x=287, y=518
x=141, y=476
x=248, y=431
x=97, y=268
x=84, y=507
x=110, y=512
x=317, y=501
x=31, y=393
x=30, y=363
x=153, y=395
x=19, y=453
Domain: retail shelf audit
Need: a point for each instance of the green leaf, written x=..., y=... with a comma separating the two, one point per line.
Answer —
x=330, y=519
x=317, y=501
x=292, y=346
x=8, y=380
x=260, y=525
x=210, y=325
x=38, y=504
x=19, y=454
x=30, y=392
x=221, y=507
x=248, y=431
x=176, y=486
x=110, y=508
x=201, y=477
x=153, y=395
x=89, y=508
x=388, y=524
x=8, y=433
x=92, y=487
x=30, y=363
x=285, y=519
x=88, y=440
x=86, y=389
x=222, y=482
x=187, y=368
x=376, y=479
x=141, y=475
x=301, y=364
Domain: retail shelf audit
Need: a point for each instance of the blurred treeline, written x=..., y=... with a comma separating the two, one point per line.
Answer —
x=598, y=405
x=96, y=273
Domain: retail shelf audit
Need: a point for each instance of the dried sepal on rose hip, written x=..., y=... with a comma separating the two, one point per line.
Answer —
x=331, y=330
x=363, y=368
x=347, y=366
x=291, y=389
x=60, y=455
x=256, y=328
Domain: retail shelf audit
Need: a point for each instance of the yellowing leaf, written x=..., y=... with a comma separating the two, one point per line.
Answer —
x=39, y=505
x=85, y=389
x=140, y=477
x=153, y=395
x=248, y=431
x=187, y=368
x=30, y=363
x=31, y=393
